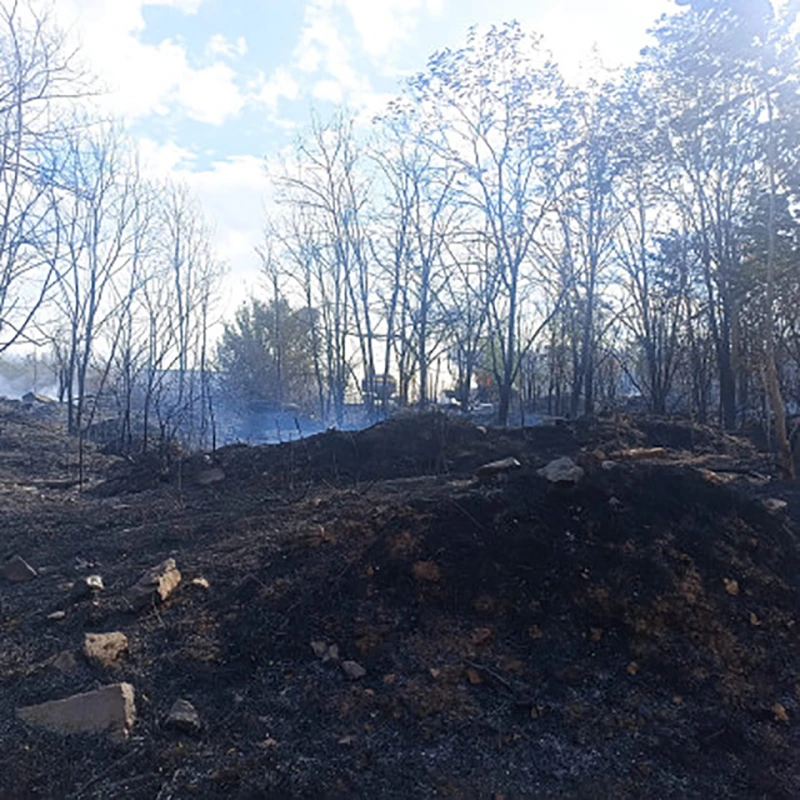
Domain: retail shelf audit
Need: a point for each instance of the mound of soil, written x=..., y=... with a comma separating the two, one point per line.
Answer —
x=634, y=634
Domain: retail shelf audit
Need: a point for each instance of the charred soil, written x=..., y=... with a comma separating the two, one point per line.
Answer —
x=632, y=634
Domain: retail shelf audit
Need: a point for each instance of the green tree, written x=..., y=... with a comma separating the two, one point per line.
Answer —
x=266, y=355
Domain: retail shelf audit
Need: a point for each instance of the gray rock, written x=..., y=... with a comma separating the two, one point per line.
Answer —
x=111, y=709
x=775, y=506
x=18, y=570
x=497, y=467
x=353, y=670
x=154, y=586
x=562, y=471
x=183, y=717
x=65, y=662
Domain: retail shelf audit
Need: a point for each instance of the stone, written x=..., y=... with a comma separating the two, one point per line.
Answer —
x=57, y=616
x=105, y=649
x=319, y=648
x=331, y=654
x=497, y=467
x=183, y=717
x=562, y=471
x=18, y=570
x=87, y=587
x=154, y=586
x=200, y=583
x=208, y=477
x=353, y=670
x=110, y=709
x=775, y=506
x=65, y=661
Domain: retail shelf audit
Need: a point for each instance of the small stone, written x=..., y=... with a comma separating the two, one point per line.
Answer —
x=607, y=466
x=56, y=616
x=775, y=506
x=18, y=570
x=562, y=471
x=353, y=670
x=183, y=717
x=111, y=709
x=319, y=648
x=615, y=502
x=497, y=467
x=201, y=583
x=154, y=586
x=87, y=587
x=65, y=662
x=105, y=649
x=331, y=654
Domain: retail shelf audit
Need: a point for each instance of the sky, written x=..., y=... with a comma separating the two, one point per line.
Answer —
x=210, y=89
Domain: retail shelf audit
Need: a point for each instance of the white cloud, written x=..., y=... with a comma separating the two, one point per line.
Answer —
x=382, y=25
x=328, y=90
x=220, y=45
x=143, y=78
x=280, y=84
x=234, y=193
x=325, y=52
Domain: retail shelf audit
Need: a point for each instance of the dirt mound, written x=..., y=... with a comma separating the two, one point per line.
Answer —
x=376, y=622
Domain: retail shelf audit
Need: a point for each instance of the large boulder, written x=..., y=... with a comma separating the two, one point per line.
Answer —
x=110, y=709
x=563, y=471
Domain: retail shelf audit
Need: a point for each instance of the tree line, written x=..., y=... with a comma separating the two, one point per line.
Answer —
x=569, y=247
x=497, y=232
x=110, y=270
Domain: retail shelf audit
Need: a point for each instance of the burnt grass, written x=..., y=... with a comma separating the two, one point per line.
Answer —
x=635, y=635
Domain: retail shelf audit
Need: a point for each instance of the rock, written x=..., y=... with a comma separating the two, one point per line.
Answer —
x=562, y=470
x=319, y=648
x=111, y=709
x=607, y=466
x=775, y=506
x=105, y=649
x=207, y=477
x=18, y=570
x=87, y=587
x=353, y=670
x=65, y=661
x=155, y=586
x=183, y=717
x=57, y=616
x=200, y=583
x=324, y=651
x=332, y=653
x=497, y=467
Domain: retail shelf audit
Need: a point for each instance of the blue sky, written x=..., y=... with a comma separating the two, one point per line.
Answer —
x=213, y=88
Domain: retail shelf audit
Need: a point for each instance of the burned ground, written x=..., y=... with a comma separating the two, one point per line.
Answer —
x=631, y=635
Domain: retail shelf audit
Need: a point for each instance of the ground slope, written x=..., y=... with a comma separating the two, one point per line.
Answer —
x=632, y=635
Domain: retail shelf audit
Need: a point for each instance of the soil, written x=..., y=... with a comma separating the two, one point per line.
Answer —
x=634, y=635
